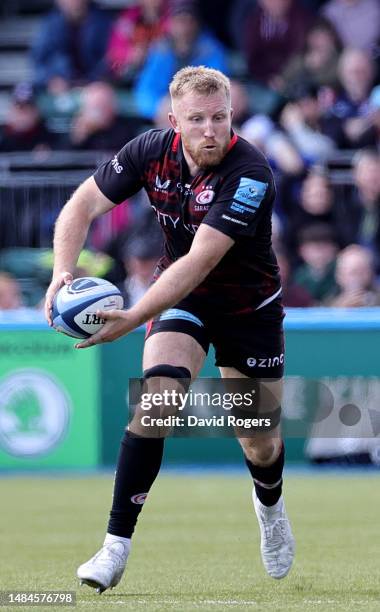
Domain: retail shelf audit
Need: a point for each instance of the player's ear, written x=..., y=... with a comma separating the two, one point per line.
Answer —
x=173, y=122
x=231, y=113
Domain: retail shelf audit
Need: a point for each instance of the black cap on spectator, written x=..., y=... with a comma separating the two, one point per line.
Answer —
x=23, y=93
x=317, y=232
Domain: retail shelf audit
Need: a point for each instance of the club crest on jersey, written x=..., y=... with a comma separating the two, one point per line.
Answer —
x=116, y=166
x=205, y=197
x=162, y=185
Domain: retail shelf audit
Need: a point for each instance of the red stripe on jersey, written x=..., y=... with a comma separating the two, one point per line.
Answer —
x=148, y=328
x=176, y=143
x=233, y=142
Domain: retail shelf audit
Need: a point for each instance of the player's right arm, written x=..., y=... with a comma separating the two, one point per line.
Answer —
x=113, y=182
x=71, y=230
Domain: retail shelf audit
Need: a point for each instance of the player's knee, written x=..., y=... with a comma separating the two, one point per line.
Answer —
x=261, y=452
x=162, y=393
x=166, y=377
x=166, y=370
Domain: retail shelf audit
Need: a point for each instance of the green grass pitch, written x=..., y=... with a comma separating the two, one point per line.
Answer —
x=197, y=545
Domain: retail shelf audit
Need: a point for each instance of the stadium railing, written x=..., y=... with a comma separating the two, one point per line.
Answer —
x=33, y=189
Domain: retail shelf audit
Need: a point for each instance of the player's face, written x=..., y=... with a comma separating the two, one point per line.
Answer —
x=204, y=122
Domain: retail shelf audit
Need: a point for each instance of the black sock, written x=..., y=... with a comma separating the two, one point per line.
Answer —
x=138, y=465
x=268, y=480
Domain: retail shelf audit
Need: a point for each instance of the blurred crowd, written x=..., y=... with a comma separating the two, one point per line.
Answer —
x=305, y=80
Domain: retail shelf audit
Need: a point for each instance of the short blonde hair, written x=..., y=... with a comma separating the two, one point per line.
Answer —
x=199, y=79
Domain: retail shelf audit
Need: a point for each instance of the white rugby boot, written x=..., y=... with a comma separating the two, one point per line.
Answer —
x=105, y=569
x=277, y=542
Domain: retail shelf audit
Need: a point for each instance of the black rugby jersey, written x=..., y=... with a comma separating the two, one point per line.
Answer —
x=234, y=197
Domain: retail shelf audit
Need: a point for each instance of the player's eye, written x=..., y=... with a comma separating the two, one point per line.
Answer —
x=196, y=119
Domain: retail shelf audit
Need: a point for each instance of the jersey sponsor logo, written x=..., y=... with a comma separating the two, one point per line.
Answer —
x=234, y=220
x=139, y=498
x=201, y=207
x=206, y=196
x=265, y=362
x=241, y=209
x=162, y=185
x=185, y=190
x=192, y=228
x=166, y=220
x=250, y=192
x=116, y=166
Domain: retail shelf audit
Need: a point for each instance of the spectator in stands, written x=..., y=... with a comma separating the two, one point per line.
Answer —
x=97, y=126
x=293, y=295
x=370, y=134
x=318, y=249
x=140, y=259
x=349, y=109
x=185, y=44
x=317, y=63
x=141, y=222
x=277, y=233
x=240, y=11
x=10, y=293
x=260, y=131
x=303, y=121
x=216, y=14
x=240, y=103
x=274, y=32
x=316, y=203
x=24, y=128
x=71, y=45
x=356, y=21
x=134, y=30
x=355, y=277
x=365, y=199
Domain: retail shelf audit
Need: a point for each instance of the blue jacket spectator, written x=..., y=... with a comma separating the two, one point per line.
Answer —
x=186, y=44
x=71, y=44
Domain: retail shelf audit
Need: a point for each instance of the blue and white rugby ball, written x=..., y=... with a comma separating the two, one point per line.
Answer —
x=75, y=306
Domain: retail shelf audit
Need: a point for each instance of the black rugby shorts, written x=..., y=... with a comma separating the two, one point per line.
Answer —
x=252, y=342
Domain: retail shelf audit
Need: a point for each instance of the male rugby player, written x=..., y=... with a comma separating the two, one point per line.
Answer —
x=218, y=282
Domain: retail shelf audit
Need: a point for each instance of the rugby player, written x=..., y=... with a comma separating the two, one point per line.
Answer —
x=217, y=282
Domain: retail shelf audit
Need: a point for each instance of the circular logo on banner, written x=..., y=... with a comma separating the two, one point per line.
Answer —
x=205, y=197
x=34, y=413
x=251, y=362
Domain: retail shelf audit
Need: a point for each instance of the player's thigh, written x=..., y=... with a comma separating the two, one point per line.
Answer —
x=269, y=393
x=174, y=348
x=273, y=387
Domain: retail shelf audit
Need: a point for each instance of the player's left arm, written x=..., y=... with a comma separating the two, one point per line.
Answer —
x=208, y=248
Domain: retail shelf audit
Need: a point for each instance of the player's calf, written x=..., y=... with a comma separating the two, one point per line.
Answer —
x=277, y=542
x=138, y=465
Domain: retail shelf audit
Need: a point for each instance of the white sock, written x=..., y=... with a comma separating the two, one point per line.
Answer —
x=110, y=539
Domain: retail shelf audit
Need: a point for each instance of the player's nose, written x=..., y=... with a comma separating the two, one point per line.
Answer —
x=209, y=130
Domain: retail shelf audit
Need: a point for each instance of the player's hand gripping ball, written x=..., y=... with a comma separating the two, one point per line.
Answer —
x=75, y=306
